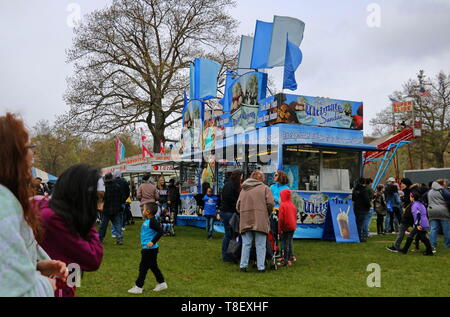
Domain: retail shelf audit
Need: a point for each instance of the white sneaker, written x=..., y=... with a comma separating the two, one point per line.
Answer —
x=113, y=236
x=160, y=287
x=135, y=290
x=123, y=229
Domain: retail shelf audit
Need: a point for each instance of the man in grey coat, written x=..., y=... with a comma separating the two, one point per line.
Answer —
x=438, y=212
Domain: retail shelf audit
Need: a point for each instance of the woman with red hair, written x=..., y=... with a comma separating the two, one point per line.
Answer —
x=25, y=268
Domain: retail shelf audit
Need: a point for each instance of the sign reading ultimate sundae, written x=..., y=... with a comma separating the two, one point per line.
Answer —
x=316, y=111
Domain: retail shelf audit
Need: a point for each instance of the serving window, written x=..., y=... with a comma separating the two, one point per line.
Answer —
x=321, y=169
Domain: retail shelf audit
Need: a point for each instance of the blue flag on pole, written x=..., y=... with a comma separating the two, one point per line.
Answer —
x=261, y=44
x=226, y=100
x=245, y=54
x=282, y=27
x=292, y=60
x=203, y=78
x=185, y=100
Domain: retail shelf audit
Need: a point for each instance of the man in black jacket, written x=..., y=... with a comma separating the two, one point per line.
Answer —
x=112, y=209
x=229, y=198
x=173, y=198
x=361, y=205
x=125, y=193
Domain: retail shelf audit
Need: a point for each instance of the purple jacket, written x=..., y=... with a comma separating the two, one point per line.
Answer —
x=62, y=243
x=419, y=213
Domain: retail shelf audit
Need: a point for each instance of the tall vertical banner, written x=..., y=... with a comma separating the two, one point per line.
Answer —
x=145, y=150
x=344, y=221
x=192, y=129
x=120, y=150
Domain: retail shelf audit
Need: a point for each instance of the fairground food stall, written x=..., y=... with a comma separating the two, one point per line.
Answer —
x=135, y=167
x=317, y=141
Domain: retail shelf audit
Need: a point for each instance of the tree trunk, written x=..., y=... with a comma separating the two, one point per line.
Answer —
x=156, y=128
x=439, y=159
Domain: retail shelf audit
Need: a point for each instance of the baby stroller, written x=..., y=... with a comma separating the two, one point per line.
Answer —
x=273, y=237
x=235, y=246
x=167, y=219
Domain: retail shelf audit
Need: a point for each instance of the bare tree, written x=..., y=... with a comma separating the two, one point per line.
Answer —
x=432, y=110
x=132, y=58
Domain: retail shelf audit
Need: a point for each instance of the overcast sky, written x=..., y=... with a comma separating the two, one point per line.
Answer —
x=344, y=56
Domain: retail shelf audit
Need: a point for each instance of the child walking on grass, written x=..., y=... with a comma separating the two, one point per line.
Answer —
x=210, y=211
x=421, y=224
x=287, y=223
x=151, y=232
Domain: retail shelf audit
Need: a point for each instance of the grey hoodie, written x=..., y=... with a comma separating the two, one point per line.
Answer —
x=437, y=207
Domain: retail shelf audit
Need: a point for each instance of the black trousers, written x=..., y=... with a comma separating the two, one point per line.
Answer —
x=380, y=223
x=286, y=241
x=422, y=235
x=149, y=261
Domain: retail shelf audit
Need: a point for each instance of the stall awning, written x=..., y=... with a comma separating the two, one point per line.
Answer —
x=177, y=164
x=46, y=177
x=362, y=147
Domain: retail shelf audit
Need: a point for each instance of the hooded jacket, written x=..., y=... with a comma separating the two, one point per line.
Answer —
x=437, y=206
x=287, y=214
x=254, y=205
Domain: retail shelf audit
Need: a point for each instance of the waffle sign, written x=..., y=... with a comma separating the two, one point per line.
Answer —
x=403, y=106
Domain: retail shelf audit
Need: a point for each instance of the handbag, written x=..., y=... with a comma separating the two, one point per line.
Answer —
x=234, y=248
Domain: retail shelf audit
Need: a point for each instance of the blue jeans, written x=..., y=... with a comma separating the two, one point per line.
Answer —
x=209, y=225
x=360, y=217
x=226, y=216
x=260, y=243
x=116, y=222
x=435, y=226
x=166, y=227
x=366, y=225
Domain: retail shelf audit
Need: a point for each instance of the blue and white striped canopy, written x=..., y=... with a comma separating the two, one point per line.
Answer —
x=46, y=177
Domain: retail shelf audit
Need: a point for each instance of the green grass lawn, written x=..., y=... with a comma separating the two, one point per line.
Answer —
x=192, y=267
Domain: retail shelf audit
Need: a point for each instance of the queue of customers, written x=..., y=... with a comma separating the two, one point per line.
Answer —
x=254, y=202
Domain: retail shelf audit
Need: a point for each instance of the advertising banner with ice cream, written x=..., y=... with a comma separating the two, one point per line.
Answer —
x=344, y=221
x=312, y=209
x=315, y=111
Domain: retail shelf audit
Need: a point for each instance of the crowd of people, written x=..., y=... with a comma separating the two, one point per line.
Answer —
x=49, y=232
x=38, y=225
x=406, y=208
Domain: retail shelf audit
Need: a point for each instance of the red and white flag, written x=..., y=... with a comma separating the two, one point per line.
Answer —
x=145, y=150
x=161, y=148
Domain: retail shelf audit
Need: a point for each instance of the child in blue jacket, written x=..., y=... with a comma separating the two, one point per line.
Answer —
x=151, y=232
x=210, y=211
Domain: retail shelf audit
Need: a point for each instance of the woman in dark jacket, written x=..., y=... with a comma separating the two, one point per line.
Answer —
x=173, y=198
x=230, y=195
x=407, y=219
